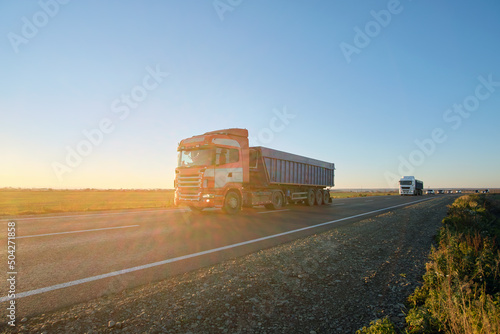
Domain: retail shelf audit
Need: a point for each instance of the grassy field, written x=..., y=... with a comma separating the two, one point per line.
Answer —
x=349, y=194
x=28, y=202
x=24, y=202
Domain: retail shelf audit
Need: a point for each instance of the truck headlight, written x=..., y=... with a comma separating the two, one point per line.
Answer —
x=208, y=196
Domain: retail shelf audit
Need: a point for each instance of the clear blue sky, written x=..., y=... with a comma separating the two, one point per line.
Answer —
x=361, y=82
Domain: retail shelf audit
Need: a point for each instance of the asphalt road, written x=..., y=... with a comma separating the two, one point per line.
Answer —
x=66, y=259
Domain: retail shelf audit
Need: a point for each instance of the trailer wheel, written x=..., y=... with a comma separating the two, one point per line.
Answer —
x=326, y=197
x=232, y=203
x=319, y=196
x=276, y=201
x=310, y=197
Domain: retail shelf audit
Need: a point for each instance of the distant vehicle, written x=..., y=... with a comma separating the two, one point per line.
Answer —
x=458, y=192
x=430, y=192
x=449, y=191
x=408, y=185
x=486, y=191
x=218, y=169
x=440, y=191
x=477, y=191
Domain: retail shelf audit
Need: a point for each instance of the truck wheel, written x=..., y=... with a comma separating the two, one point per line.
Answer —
x=232, y=203
x=276, y=201
x=319, y=197
x=310, y=197
x=326, y=197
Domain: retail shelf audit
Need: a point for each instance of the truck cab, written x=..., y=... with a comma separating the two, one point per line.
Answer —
x=209, y=166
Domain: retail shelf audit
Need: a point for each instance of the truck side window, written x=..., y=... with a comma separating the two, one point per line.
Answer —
x=226, y=156
x=223, y=158
x=253, y=158
x=234, y=155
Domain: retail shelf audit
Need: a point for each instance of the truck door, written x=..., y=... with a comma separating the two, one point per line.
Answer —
x=228, y=167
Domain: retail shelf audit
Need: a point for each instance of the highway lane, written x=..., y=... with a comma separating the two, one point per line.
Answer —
x=66, y=259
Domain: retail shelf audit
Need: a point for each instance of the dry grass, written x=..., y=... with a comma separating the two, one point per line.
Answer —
x=23, y=202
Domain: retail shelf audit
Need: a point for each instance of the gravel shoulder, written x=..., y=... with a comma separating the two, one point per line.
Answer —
x=334, y=282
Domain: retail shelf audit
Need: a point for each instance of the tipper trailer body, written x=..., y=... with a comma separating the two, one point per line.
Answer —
x=219, y=169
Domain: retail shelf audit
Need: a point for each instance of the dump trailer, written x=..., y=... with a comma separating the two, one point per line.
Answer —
x=408, y=185
x=219, y=169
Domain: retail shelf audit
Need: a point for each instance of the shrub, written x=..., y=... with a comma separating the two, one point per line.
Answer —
x=380, y=326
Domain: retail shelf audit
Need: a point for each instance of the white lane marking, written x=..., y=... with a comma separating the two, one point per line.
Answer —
x=274, y=211
x=339, y=204
x=80, y=231
x=189, y=256
x=90, y=215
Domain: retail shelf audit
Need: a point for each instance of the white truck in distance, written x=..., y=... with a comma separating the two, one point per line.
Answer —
x=408, y=185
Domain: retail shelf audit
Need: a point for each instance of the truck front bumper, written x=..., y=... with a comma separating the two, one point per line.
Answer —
x=207, y=200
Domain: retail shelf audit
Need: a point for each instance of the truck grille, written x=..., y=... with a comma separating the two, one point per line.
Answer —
x=189, y=187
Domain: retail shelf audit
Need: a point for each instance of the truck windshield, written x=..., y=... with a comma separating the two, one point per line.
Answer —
x=406, y=183
x=198, y=157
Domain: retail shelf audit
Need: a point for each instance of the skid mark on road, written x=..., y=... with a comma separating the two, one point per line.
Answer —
x=189, y=256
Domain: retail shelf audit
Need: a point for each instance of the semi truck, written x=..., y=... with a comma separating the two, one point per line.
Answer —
x=218, y=169
x=408, y=185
